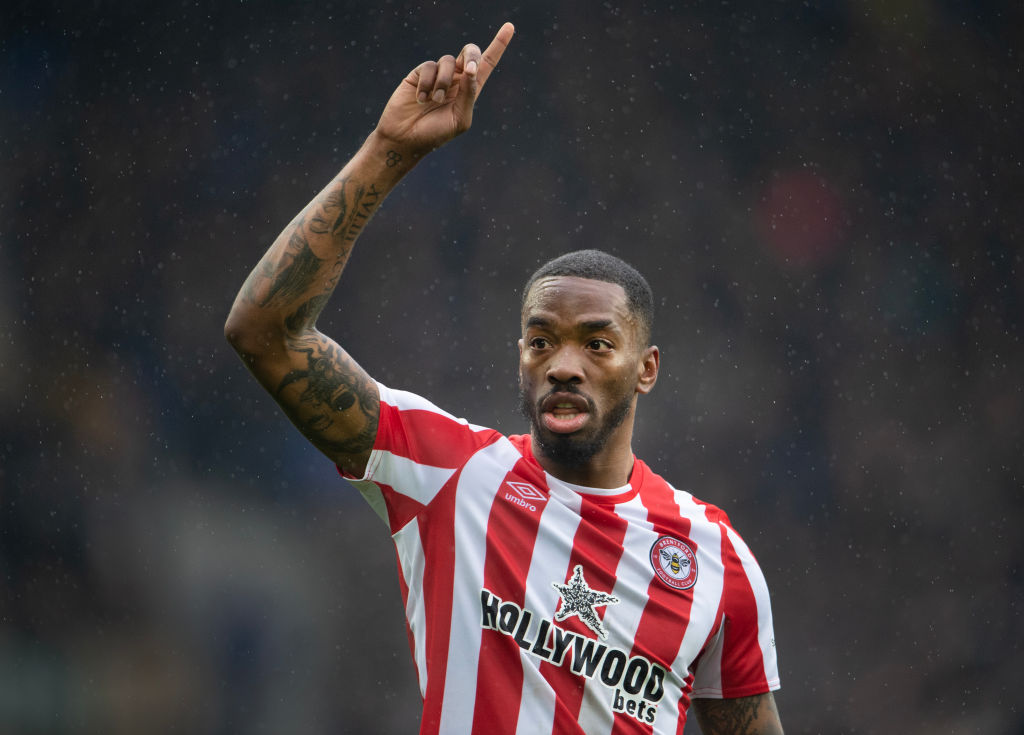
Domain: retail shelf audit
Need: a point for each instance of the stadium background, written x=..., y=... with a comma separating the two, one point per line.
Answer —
x=824, y=196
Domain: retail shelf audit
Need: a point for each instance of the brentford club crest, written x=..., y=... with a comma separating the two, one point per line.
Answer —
x=674, y=562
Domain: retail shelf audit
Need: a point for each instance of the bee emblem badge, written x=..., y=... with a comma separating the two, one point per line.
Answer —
x=674, y=562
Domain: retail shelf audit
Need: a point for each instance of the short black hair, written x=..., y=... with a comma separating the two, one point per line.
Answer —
x=598, y=265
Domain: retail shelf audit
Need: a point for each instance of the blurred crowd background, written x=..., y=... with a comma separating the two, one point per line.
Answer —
x=821, y=194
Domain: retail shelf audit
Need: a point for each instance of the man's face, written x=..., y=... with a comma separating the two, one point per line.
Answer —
x=580, y=366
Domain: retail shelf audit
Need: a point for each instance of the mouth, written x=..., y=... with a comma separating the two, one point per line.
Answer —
x=564, y=412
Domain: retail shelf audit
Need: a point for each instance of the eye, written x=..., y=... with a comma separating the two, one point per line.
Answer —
x=599, y=345
x=539, y=343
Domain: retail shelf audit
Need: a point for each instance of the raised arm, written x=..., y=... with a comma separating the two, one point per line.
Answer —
x=272, y=324
x=755, y=715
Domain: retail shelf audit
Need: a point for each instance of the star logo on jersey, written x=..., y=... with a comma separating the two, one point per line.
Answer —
x=580, y=600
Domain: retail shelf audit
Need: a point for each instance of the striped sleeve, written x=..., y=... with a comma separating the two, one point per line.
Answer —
x=417, y=450
x=740, y=659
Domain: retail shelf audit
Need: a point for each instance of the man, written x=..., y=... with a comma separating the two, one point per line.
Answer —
x=553, y=583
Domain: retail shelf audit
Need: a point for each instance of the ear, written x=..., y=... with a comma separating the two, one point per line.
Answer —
x=520, y=370
x=648, y=369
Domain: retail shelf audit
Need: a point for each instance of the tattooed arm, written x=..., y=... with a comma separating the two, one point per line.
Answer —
x=755, y=715
x=332, y=400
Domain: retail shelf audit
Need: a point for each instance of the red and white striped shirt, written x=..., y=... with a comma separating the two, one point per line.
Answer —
x=534, y=606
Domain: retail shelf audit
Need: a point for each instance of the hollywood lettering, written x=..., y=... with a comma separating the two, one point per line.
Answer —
x=639, y=683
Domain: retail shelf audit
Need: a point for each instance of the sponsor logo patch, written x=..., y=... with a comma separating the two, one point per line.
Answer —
x=674, y=562
x=526, y=491
x=579, y=600
x=524, y=495
x=635, y=683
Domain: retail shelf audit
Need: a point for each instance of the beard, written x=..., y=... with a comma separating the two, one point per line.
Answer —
x=570, y=450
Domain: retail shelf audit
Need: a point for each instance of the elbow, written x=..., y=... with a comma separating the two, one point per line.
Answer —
x=235, y=328
x=250, y=335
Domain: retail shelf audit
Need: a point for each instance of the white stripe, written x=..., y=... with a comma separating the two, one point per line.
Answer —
x=707, y=595
x=478, y=484
x=549, y=563
x=707, y=681
x=564, y=494
x=410, y=556
x=537, y=706
x=421, y=482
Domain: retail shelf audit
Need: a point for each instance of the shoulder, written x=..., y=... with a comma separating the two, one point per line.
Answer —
x=398, y=400
x=523, y=443
x=711, y=512
x=689, y=506
x=414, y=427
x=704, y=522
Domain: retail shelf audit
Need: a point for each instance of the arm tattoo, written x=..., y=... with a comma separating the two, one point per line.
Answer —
x=331, y=384
x=741, y=716
x=335, y=200
x=306, y=314
x=349, y=222
x=343, y=213
x=294, y=279
x=332, y=400
x=298, y=280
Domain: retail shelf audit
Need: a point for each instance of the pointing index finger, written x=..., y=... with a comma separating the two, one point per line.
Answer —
x=492, y=54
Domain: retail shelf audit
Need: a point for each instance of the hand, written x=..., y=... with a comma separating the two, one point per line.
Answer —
x=434, y=103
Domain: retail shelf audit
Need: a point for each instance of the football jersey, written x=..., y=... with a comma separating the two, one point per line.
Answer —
x=535, y=606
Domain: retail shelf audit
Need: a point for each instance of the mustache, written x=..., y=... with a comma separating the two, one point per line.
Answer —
x=567, y=388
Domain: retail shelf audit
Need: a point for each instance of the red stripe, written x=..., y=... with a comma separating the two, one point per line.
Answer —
x=439, y=549
x=427, y=437
x=684, y=704
x=511, y=536
x=742, y=660
x=403, y=586
x=666, y=615
x=431, y=438
x=597, y=546
x=401, y=508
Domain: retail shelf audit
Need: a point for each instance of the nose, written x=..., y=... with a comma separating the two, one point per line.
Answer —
x=566, y=366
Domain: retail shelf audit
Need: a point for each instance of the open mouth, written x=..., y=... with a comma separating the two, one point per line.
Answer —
x=564, y=413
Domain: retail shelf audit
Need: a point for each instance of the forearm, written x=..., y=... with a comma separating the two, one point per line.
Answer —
x=328, y=396
x=755, y=715
x=286, y=291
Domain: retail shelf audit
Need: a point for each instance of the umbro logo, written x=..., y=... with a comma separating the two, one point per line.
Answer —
x=526, y=491
x=524, y=495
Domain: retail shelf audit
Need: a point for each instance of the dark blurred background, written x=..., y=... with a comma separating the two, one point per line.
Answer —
x=821, y=194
